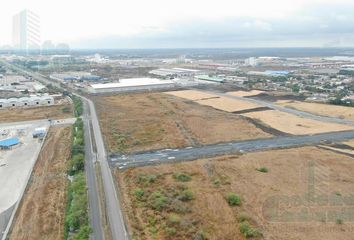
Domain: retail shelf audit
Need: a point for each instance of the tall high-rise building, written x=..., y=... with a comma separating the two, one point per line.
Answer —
x=26, y=31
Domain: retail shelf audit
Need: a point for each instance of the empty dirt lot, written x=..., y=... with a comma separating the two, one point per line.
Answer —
x=215, y=101
x=292, y=124
x=320, y=109
x=41, y=212
x=245, y=93
x=145, y=121
x=35, y=113
x=306, y=193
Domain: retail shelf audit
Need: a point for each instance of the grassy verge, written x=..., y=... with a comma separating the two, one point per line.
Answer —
x=77, y=105
x=76, y=216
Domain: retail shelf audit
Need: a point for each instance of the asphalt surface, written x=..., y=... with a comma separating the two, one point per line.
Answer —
x=190, y=153
x=114, y=210
x=93, y=197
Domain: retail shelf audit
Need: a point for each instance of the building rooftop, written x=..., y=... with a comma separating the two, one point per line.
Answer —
x=9, y=142
x=131, y=82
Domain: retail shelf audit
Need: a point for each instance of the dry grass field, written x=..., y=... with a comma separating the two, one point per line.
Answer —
x=321, y=109
x=35, y=113
x=288, y=201
x=245, y=93
x=292, y=124
x=146, y=121
x=41, y=212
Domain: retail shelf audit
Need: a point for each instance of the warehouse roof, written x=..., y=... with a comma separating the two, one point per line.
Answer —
x=132, y=82
x=9, y=142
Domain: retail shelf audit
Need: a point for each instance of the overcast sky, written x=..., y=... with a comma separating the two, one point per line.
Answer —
x=188, y=23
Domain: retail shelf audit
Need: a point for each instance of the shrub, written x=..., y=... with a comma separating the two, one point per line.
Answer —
x=199, y=236
x=339, y=221
x=147, y=179
x=158, y=201
x=248, y=231
x=233, y=199
x=182, y=177
x=263, y=169
x=173, y=219
x=171, y=231
x=139, y=193
x=186, y=195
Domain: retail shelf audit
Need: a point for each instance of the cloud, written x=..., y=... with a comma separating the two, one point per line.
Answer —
x=326, y=25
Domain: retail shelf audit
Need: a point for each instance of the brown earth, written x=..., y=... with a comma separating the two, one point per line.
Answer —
x=276, y=202
x=34, y=113
x=41, y=212
x=145, y=121
x=321, y=109
x=296, y=125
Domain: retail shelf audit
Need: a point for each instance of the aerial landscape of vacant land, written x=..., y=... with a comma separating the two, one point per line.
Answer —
x=320, y=109
x=61, y=111
x=42, y=209
x=298, y=193
x=146, y=121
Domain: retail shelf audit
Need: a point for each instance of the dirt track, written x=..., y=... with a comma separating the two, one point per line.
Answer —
x=41, y=212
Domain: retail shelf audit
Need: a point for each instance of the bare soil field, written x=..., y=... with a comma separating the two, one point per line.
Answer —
x=228, y=104
x=192, y=94
x=215, y=101
x=321, y=109
x=300, y=193
x=146, y=121
x=292, y=124
x=246, y=93
x=41, y=212
x=35, y=113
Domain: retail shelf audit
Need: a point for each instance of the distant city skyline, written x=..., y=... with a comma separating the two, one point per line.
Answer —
x=181, y=24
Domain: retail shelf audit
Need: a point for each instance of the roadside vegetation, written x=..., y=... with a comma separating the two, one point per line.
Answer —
x=77, y=105
x=76, y=217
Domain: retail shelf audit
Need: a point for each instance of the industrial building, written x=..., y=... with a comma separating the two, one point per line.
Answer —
x=77, y=76
x=131, y=84
x=9, y=143
x=26, y=101
x=175, y=72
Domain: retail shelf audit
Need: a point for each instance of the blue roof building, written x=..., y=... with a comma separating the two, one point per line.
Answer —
x=9, y=143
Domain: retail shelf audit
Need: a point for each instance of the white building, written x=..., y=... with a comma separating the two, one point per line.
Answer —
x=27, y=101
x=131, y=84
x=26, y=31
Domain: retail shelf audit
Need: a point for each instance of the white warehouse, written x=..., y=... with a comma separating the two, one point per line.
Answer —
x=27, y=101
x=131, y=84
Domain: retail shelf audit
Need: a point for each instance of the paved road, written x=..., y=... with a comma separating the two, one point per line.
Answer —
x=189, y=153
x=114, y=210
x=93, y=197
